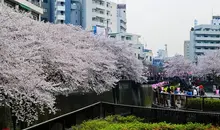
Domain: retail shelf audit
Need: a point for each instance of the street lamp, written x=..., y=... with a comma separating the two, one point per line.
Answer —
x=107, y=28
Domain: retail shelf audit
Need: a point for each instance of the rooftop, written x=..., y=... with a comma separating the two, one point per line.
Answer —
x=126, y=34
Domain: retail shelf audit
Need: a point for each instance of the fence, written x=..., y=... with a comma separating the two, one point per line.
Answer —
x=178, y=101
x=103, y=109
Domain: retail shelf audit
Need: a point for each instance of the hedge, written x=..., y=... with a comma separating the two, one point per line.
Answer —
x=134, y=123
x=210, y=104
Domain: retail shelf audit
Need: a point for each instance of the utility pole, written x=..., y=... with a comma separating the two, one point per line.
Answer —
x=166, y=50
x=107, y=29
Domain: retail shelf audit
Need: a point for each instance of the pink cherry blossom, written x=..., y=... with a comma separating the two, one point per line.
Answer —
x=41, y=60
x=177, y=66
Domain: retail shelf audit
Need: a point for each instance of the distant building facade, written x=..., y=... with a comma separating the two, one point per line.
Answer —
x=33, y=6
x=128, y=37
x=140, y=51
x=158, y=61
x=186, y=50
x=121, y=18
x=204, y=38
x=86, y=13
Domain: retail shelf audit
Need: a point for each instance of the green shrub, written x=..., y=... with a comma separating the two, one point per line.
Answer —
x=210, y=104
x=134, y=123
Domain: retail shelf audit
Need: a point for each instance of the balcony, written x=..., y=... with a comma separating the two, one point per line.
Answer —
x=124, y=21
x=100, y=14
x=35, y=2
x=200, y=50
x=207, y=45
x=99, y=4
x=208, y=32
x=60, y=8
x=123, y=26
x=60, y=17
x=60, y=0
x=100, y=24
x=207, y=38
x=33, y=5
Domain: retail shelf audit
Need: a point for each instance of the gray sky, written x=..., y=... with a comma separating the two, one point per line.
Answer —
x=168, y=22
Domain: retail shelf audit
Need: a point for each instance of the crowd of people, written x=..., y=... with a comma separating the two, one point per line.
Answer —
x=175, y=96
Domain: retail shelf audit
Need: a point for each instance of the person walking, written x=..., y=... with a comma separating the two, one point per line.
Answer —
x=214, y=88
x=195, y=93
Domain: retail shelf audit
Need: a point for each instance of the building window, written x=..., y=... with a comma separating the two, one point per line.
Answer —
x=62, y=3
x=45, y=1
x=128, y=38
x=62, y=12
x=45, y=10
x=76, y=12
x=44, y=19
x=93, y=18
x=61, y=21
x=76, y=21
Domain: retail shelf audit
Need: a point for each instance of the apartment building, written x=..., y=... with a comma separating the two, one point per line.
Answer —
x=204, y=38
x=121, y=18
x=100, y=13
x=33, y=6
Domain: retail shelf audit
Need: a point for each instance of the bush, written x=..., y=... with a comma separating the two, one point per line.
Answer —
x=134, y=123
x=210, y=104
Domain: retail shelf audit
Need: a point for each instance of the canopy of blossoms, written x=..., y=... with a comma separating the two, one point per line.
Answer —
x=178, y=66
x=209, y=64
x=40, y=60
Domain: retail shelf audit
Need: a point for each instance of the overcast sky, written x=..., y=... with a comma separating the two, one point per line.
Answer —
x=162, y=22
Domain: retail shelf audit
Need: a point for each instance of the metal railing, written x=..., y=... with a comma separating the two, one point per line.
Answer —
x=37, y=3
x=103, y=109
x=187, y=102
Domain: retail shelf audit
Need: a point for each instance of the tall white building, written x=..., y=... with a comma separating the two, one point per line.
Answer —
x=204, y=38
x=59, y=11
x=100, y=16
x=121, y=18
x=140, y=51
x=33, y=6
x=99, y=13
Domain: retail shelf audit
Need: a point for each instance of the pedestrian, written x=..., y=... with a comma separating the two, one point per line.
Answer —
x=202, y=92
x=197, y=89
x=168, y=89
x=214, y=88
x=195, y=93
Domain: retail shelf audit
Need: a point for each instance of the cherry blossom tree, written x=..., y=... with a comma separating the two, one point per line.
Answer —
x=177, y=66
x=208, y=64
x=41, y=60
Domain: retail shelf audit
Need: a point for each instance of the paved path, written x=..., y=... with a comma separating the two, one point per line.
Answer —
x=212, y=95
